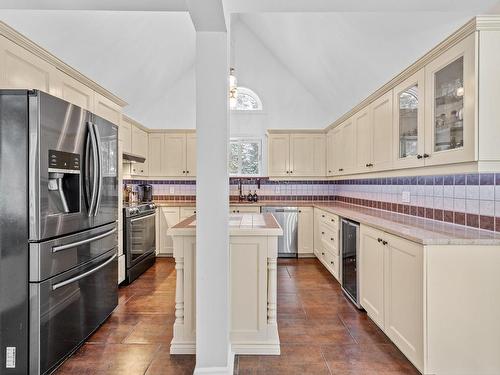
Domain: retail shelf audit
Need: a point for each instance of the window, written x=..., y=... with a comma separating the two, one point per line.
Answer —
x=247, y=100
x=245, y=157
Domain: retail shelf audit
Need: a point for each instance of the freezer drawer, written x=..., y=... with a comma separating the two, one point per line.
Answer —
x=66, y=309
x=50, y=258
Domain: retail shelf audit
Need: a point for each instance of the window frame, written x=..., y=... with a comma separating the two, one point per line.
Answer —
x=248, y=91
x=245, y=140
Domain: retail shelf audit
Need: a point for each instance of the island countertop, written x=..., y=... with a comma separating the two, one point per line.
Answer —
x=244, y=224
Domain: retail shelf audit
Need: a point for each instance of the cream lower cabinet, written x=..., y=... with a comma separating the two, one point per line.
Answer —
x=326, y=239
x=371, y=279
x=167, y=217
x=186, y=212
x=305, y=236
x=391, y=289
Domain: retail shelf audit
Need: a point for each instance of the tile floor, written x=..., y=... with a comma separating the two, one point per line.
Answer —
x=320, y=331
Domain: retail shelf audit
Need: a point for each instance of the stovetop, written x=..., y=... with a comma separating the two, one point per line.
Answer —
x=139, y=208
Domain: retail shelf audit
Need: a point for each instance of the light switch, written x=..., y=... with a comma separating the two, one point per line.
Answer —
x=405, y=197
x=171, y=190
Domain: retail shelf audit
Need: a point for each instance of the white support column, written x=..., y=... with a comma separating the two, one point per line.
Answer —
x=213, y=350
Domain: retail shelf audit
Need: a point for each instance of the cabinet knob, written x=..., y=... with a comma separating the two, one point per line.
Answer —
x=300, y=211
x=332, y=262
x=322, y=232
x=187, y=171
x=329, y=171
x=341, y=169
x=331, y=239
x=419, y=156
x=427, y=156
x=379, y=239
x=369, y=165
x=142, y=170
x=291, y=171
x=322, y=253
x=322, y=215
x=183, y=171
x=287, y=172
x=384, y=242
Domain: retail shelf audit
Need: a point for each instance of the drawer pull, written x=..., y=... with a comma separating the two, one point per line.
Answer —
x=379, y=239
x=322, y=232
x=55, y=249
x=331, y=239
x=322, y=253
x=384, y=242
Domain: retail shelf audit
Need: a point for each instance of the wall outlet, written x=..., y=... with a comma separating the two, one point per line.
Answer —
x=277, y=189
x=405, y=197
x=172, y=190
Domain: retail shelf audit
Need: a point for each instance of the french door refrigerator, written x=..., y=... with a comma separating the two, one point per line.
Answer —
x=58, y=228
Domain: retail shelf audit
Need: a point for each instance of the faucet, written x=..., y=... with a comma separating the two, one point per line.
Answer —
x=241, y=197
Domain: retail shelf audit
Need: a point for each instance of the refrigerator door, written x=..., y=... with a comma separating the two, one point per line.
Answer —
x=52, y=257
x=67, y=308
x=13, y=232
x=59, y=132
x=106, y=208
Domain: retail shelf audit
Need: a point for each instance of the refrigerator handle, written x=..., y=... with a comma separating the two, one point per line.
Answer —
x=99, y=170
x=95, y=166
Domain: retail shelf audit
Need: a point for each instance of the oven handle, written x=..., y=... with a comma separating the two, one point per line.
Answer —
x=142, y=218
x=79, y=277
x=55, y=249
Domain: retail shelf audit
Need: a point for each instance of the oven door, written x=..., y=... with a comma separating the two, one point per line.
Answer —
x=66, y=309
x=140, y=239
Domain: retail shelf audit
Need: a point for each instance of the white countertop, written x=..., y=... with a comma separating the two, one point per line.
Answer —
x=244, y=224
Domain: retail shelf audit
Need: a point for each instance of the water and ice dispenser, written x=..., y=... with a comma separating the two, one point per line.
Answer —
x=64, y=182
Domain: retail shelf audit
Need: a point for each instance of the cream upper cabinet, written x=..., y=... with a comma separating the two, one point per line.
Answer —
x=307, y=155
x=22, y=69
x=331, y=149
x=305, y=236
x=107, y=109
x=450, y=97
x=346, y=155
x=381, y=131
x=297, y=154
x=363, y=136
x=75, y=92
x=174, y=154
x=371, y=274
x=140, y=144
x=191, y=155
x=155, y=160
x=179, y=155
x=403, y=296
x=279, y=155
x=126, y=135
x=408, y=122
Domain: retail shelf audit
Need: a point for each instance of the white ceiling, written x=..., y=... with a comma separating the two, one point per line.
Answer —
x=340, y=56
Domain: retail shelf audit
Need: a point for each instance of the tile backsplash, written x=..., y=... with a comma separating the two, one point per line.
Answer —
x=466, y=199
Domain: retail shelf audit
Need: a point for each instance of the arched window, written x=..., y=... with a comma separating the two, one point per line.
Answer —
x=247, y=100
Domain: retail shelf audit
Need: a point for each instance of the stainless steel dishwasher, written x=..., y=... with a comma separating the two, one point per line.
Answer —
x=287, y=217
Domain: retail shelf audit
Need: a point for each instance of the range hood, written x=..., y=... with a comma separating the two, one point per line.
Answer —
x=133, y=158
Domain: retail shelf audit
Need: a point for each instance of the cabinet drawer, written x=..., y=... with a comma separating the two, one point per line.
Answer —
x=329, y=219
x=329, y=238
x=244, y=209
x=331, y=262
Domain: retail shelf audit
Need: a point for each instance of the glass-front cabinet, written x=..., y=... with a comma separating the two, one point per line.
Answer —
x=408, y=122
x=450, y=102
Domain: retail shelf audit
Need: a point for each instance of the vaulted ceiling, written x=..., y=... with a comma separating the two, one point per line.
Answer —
x=340, y=51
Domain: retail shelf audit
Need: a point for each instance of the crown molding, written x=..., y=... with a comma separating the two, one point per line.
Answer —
x=42, y=53
x=475, y=24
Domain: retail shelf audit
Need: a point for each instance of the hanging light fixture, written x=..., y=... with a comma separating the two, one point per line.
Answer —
x=233, y=89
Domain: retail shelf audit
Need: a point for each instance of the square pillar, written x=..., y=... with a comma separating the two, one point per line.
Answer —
x=213, y=349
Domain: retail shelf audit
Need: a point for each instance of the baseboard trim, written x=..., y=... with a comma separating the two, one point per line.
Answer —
x=306, y=255
x=257, y=349
x=183, y=348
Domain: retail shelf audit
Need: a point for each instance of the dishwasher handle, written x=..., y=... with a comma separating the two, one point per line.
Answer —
x=280, y=210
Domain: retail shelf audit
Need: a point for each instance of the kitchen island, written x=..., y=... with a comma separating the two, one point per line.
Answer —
x=253, y=246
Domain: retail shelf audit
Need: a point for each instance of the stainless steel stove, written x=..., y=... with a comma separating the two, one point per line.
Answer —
x=139, y=238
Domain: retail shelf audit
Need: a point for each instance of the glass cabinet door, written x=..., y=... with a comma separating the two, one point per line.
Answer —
x=408, y=121
x=450, y=105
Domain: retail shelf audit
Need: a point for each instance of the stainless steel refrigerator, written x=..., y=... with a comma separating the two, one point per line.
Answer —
x=58, y=228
